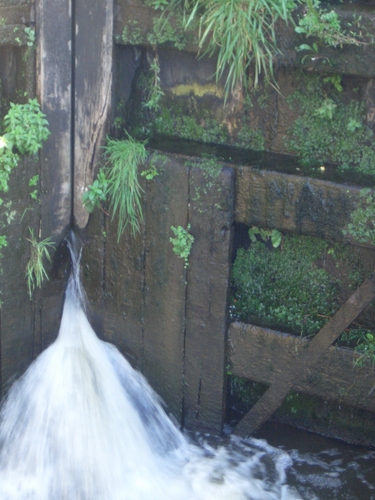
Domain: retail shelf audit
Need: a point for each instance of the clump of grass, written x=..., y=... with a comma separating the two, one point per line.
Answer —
x=35, y=270
x=241, y=32
x=123, y=189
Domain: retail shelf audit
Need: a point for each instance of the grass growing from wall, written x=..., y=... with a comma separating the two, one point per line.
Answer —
x=118, y=183
x=35, y=270
x=240, y=33
x=24, y=130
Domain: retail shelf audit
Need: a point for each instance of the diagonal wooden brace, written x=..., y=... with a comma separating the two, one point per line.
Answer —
x=276, y=393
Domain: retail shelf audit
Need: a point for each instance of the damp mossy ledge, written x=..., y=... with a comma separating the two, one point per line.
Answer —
x=297, y=287
x=331, y=124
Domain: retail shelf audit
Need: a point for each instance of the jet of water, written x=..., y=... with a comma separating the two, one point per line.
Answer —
x=81, y=424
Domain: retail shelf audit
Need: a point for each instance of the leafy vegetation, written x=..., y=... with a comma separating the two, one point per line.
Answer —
x=35, y=270
x=328, y=128
x=363, y=343
x=362, y=225
x=297, y=286
x=239, y=32
x=272, y=235
x=33, y=182
x=132, y=33
x=284, y=288
x=182, y=242
x=96, y=193
x=325, y=26
x=150, y=173
x=118, y=183
x=124, y=190
x=25, y=127
x=154, y=90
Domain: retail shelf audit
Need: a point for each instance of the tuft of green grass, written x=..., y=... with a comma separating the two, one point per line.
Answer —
x=241, y=33
x=123, y=189
x=35, y=270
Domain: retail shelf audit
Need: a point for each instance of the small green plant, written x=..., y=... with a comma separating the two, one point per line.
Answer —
x=154, y=90
x=362, y=225
x=96, y=193
x=363, y=342
x=272, y=235
x=118, y=183
x=132, y=34
x=150, y=173
x=26, y=127
x=164, y=32
x=326, y=109
x=35, y=270
x=123, y=157
x=312, y=53
x=335, y=80
x=30, y=36
x=157, y=4
x=32, y=183
x=325, y=25
x=3, y=241
x=354, y=124
x=8, y=212
x=182, y=243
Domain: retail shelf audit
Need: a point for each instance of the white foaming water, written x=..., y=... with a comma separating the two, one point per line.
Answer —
x=81, y=424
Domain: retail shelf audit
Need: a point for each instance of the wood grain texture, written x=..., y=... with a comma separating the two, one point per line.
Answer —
x=211, y=216
x=92, y=81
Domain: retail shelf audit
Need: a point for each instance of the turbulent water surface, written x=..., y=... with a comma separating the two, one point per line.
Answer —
x=81, y=424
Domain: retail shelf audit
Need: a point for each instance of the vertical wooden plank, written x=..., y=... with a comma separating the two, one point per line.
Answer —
x=211, y=217
x=92, y=268
x=165, y=287
x=17, y=311
x=92, y=82
x=123, y=293
x=54, y=80
x=54, y=25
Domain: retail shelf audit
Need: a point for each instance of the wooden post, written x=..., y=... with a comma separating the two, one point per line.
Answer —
x=92, y=91
x=211, y=216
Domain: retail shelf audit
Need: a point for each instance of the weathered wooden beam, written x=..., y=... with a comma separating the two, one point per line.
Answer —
x=166, y=205
x=211, y=217
x=293, y=203
x=92, y=82
x=305, y=359
x=54, y=80
x=261, y=355
x=122, y=303
x=19, y=316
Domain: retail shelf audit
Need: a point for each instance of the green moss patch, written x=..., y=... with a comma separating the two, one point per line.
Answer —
x=331, y=126
x=297, y=287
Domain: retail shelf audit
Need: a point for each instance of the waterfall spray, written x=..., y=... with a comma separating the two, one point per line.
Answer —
x=81, y=424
